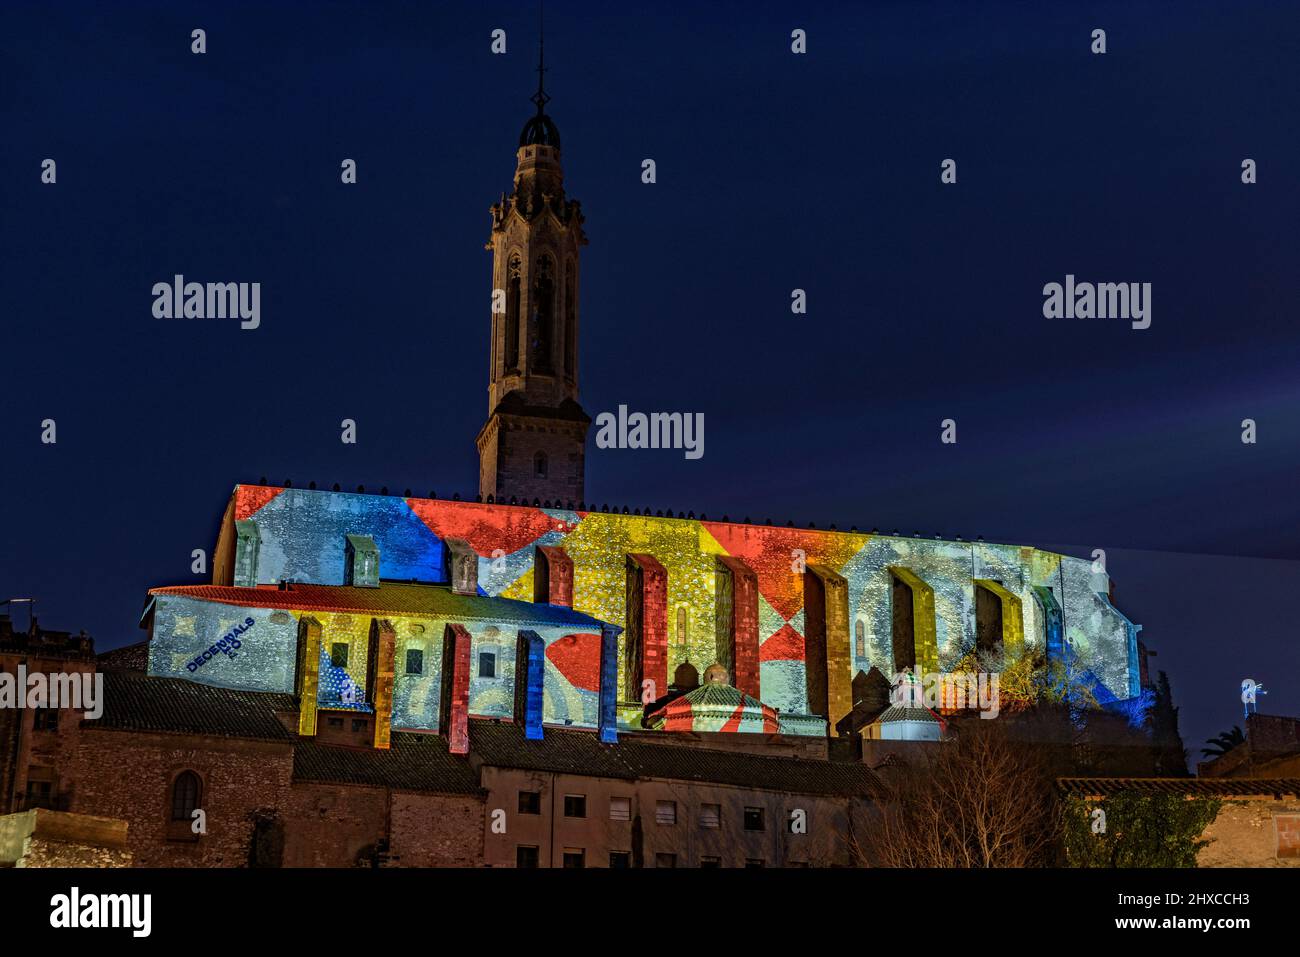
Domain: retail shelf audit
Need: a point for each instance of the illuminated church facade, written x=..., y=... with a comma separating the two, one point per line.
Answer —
x=532, y=605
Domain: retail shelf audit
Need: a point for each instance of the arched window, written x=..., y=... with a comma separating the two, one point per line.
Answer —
x=513, y=273
x=570, y=322
x=543, y=308
x=539, y=465
x=186, y=792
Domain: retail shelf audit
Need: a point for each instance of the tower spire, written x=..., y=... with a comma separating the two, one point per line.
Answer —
x=540, y=97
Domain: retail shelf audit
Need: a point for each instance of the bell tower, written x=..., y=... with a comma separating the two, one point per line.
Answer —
x=533, y=443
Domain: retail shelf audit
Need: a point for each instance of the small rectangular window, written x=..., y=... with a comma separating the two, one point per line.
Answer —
x=620, y=809
x=575, y=805
x=620, y=859
x=575, y=857
x=487, y=664
x=530, y=802
x=526, y=855
x=414, y=661
x=45, y=719
x=710, y=815
x=754, y=819
x=665, y=812
x=359, y=724
x=710, y=862
x=334, y=722
x=339, y=654
x=754, y=862
x=665, y=860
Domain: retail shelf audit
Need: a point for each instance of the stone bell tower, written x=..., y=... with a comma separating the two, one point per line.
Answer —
x=532, y=445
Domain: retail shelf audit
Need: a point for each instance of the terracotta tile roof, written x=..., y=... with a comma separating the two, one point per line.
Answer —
x=562, y=750
x=133, y=657
x=580, y=752
x=135, y=702
x=1198, y=787
x=416, y=762
x=897, y=712
x=740, y=769
x=862, y=715
x=436, y=601
x=711, y=699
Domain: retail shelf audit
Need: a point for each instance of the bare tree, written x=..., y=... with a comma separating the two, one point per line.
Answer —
x=981, y=800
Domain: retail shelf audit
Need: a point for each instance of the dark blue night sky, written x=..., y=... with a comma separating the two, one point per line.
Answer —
x=775, y=172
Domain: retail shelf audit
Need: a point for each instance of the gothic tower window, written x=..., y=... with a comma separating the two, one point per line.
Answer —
x=860, y=639
x=539, y=465
x=513, y=279
x=570, y=322
x=543, y=315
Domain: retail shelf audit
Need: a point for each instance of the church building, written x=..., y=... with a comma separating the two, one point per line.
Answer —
x=531, y=604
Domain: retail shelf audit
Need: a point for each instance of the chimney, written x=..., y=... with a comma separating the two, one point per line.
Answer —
x=553, y=577
x=248, y=541
x=362, y=562
x=453, y=706
x=460, y=565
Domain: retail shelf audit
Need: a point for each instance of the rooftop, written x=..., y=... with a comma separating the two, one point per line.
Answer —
x=36, y=640
x=415, y=762
x=136, y=702
x=264, y=490
x=1192, y=787
x=394, y=598
x=421, y=761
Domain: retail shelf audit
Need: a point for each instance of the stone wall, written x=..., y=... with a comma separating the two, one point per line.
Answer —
x=1252, y=832
x=128, y=775
x=43, y=838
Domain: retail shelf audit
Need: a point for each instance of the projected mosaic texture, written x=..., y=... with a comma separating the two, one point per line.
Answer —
x=272, y=537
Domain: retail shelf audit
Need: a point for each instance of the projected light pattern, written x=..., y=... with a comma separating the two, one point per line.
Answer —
x=301, y=536
x=185, y=618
